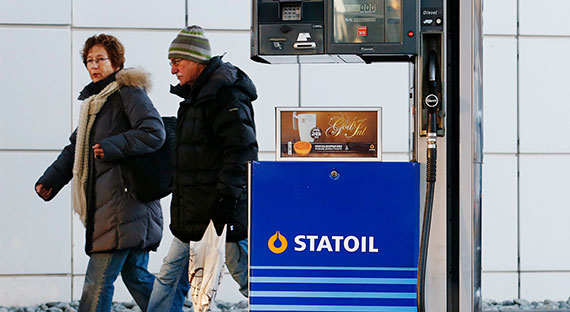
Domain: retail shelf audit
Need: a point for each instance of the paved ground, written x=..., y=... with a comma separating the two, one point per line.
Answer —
x=220, y=306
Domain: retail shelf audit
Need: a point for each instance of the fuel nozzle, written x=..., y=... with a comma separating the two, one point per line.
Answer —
x=432, y=102
x=432, y=99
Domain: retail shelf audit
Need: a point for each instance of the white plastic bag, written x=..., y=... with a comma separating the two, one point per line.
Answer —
x=207, y=258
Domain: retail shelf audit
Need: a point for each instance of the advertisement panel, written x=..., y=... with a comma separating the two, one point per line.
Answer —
x=324, y=133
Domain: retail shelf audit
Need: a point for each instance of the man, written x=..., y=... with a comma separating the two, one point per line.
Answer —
x=215, y=140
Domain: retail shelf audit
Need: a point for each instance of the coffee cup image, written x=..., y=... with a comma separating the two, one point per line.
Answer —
x=304, y=123
x=302, y=148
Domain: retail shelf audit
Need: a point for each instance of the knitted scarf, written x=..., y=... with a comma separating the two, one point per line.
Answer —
x=89, y=109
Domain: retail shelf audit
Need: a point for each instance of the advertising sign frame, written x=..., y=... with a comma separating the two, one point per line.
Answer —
x=327, y=150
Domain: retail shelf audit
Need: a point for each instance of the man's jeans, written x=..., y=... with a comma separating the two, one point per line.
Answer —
x=171, y=285
x=102, y=271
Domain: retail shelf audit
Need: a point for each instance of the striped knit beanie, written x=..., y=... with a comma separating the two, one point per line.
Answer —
x=191, y=44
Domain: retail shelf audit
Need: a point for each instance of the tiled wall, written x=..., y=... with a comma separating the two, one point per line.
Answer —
x=500, y=182
x=527, y=150
x=42, y=256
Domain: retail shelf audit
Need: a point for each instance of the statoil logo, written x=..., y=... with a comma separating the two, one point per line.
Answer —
x=282, y=241
x=324, y=243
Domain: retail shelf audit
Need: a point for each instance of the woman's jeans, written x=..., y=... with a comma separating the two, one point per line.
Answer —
x=102, y=271
x=171, y=285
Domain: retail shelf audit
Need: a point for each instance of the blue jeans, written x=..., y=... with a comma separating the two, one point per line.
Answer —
x=102, y=271
x=171, y=285
x=236, y=262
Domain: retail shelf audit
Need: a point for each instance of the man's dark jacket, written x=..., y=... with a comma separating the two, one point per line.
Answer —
x=115, y=219
x=215, y=140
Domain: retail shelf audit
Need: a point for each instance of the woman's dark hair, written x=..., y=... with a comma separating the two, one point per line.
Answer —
x=112, y=45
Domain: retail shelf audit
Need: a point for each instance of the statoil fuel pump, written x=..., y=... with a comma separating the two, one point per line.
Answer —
x=364, y=31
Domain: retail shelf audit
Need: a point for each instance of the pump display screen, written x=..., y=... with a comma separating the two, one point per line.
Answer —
x=367, y=21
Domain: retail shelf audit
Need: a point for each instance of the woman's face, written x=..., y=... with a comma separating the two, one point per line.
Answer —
x=98, y=63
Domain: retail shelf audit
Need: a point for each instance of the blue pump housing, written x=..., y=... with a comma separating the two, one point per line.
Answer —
x=334, y=236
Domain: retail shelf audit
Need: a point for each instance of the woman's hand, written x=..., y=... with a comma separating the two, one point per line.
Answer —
x=98, y=151
x=44, y=192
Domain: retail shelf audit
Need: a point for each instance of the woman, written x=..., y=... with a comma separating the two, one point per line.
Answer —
x=117, y=121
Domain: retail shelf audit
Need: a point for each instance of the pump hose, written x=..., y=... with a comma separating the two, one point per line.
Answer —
x=431, y=168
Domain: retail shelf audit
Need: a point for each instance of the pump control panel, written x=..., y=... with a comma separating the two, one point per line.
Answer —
x=283, y=29
x=332, y=31
x=372, y=27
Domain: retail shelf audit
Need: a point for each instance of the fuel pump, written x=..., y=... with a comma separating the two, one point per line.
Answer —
x=431, y=122
x=368, y=31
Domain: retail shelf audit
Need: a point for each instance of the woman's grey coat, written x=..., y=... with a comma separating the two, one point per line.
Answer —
x=128, y=124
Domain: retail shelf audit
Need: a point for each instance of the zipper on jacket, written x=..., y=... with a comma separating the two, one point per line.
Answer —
x=124, y=181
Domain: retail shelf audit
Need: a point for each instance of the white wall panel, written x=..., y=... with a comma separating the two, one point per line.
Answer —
x=220, y=14
x=499, y=213
x=395, y=157
x=266, y=156
x=35, y=88
x=500, y=94
x=500, y=17
x=32, y=228
x=545, y=285
x=499, y=286
x=33, y=290
x=546, y=17
x=129, y=13
x=277, y=85
x=360, y=85
x=35, y=12
x=544, y=104
x=544, y=212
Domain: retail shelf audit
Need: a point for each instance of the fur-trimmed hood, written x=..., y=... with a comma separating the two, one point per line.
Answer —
x=130, y=77
x=134, y=77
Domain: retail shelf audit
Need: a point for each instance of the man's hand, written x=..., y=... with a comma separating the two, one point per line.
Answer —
x=98, y=151
x=44, y=192
x=222, y=213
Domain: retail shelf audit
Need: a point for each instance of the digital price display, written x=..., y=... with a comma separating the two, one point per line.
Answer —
x=367, y=21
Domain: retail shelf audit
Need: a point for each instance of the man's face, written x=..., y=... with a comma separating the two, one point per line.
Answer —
x=185, y=70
